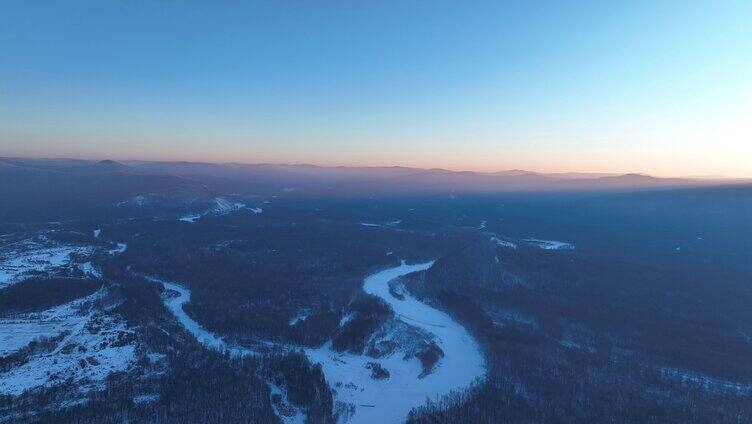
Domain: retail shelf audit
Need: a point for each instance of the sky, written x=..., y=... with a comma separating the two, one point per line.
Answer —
x=660, y=87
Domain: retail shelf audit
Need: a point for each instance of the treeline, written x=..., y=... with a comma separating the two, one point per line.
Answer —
x=41, y=293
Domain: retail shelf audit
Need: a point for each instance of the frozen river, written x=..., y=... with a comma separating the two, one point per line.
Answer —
x=390, y=400
x=361, y=399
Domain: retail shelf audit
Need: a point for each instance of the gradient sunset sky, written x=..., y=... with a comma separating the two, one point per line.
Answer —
x=662, y=87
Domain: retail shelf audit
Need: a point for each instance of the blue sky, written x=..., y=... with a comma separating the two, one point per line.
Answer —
x=658, y=87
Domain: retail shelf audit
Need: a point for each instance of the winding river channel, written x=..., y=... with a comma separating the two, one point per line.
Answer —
x=359, y=399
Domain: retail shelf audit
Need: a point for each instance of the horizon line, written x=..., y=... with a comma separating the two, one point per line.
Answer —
x=446, y=169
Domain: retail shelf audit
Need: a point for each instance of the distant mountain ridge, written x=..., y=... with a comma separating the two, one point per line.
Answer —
x=307, y=179
x=57, y=188
x=110, y=165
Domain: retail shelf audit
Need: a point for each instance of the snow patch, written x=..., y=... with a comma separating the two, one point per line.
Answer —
x=550, y=244
x=300, y=316
x=90, y=270
x=347, y=318
x=386, y=224
x=222, y=206
x=504, y=243
x=121, y=248
x=17, y=263
x=189, y=218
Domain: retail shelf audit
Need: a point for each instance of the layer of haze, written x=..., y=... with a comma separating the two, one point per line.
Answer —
x=658, y=87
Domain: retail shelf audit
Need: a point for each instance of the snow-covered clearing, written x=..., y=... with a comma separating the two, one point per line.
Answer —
x=16, y=263
x=87, y=347
x=222, y=206
x=90, y=270
x=225, y=206
x=18, y=330
x=550, y=244
x=190, y=218
x=389, y=400
x=504, y=243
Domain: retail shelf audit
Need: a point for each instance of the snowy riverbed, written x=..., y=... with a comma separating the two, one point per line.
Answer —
x=174, y=299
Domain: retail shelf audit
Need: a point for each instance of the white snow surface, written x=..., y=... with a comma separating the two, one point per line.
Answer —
x=386, y=224
x=89, y=269
x=550, y=244
x=391, y=399
x=121, y=247
x=18, y=330
x=222, y=206
x=299, y=317
x=504, y=243
x=14, y=264
x=94, y=346
x=190, y=218
x=347, y=318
